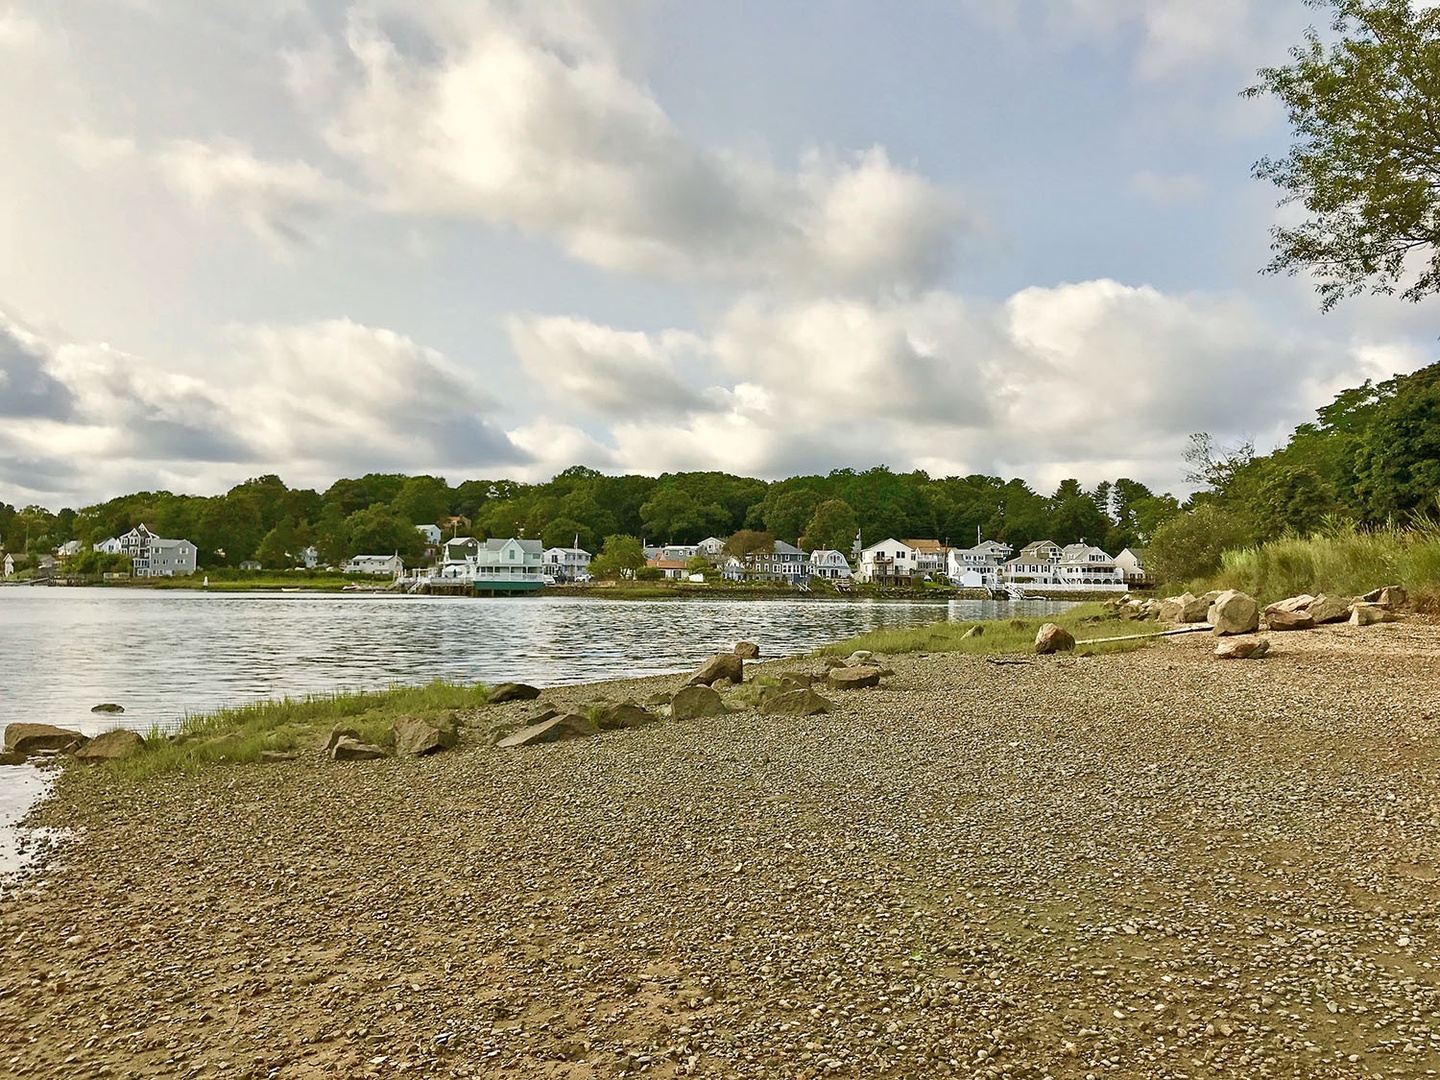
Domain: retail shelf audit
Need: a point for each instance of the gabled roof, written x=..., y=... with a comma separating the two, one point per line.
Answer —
x=928, y=547
x=533, y=547
x=782, y=548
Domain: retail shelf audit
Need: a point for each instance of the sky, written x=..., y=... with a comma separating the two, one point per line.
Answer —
x=482, y=239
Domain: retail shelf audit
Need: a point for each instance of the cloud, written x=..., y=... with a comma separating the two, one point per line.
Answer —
x=280, y=202
x=1096, y=379
x=1168, y=189
x=21, y=34
x=96, y=152
x=524, y=117
x=313, y=402
x=608, y=371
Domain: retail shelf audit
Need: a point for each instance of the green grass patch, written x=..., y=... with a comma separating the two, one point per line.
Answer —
x=243, y=733
x=1085, y=621
x=1344, y=562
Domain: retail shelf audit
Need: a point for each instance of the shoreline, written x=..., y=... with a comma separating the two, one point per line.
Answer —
x=1148, y=859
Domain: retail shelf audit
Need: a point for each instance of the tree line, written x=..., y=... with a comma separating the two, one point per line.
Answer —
x=265, y=520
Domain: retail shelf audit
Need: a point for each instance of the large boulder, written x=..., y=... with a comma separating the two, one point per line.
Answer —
x=417, y=737
x=512, y=691
x=556, y=729
x=1292, y=604
x=355, y=750
x=1053, y=639
x=1393, y=596
x=624, y=714
x=852, y=678
x=107, y=707
x=1368, y=614
x=339, y=735
x=39, y=738
x=796, y=703
x=1242, y=648
x=1280, y=619
x=747, y=650
x=1233, y=612
x=1328, y=609
x=726, y=666
x=1184, y=608
x=112, y=746
x=694, y=702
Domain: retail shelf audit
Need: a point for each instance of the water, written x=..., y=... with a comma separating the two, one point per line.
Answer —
x=166, y=654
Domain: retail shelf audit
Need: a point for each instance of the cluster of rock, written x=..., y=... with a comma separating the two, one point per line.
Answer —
x=1233, y=613
x=25, y=741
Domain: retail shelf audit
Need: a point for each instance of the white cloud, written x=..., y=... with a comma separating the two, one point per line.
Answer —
x=277, y=201
x=313, y=402
x=524, y=117
x=94, y=151
x=21, y=34
x=605, y=370
x=1168, y=188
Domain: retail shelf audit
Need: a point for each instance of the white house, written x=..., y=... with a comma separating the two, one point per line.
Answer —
x=8, y=566
x=431, y=534
x=310, y=557
x=155, y=556
x=510, y=565
x=1086, y=567
x=68, y=549
x=1035, y=565
x=379, y=565
x=1132, y=563
x=929, y=556
x=712, y=547
x=567, y=564
x=888, y=562
x=829, y=563
x=977, y=567
x=110, y=547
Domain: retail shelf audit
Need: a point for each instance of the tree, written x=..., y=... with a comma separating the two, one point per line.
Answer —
x=562, y=532
x=1190, y=546
x=1366, y=160
x=423, y=500
x=745, y=542
x=378, y=530
x=621, y=556
x=277, y=551
x=832, y=527
x=1397, y=463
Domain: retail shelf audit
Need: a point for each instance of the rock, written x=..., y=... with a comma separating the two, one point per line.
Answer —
x=1289, y=620
x=1393, y=596
x=339, y=735
x=859, y=658
x=1242, y=648
x=417, y=737
x=1233, y=612
x=108, y=707
x=721, y=666
x=747, y=650
x=355, y=750
x=542, y=713
x=1328, y=609
x=800, y=680
x=853, y=678
x=112, y=746
x=557, y=729
x=796, y=703
x=625, y=714
x=13, y=757
x=1052, y=639
x=833, y=662
x=973, y=632
x=693, y=702
x=1368, y=614
x=512, y=691
x=1293, y=604
x=1184, y=608
x=33, y=738
x=274, y=757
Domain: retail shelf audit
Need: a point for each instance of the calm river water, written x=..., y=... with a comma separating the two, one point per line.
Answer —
x=163, y=655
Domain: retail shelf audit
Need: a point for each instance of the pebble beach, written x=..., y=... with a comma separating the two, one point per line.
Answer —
x=1147, y=864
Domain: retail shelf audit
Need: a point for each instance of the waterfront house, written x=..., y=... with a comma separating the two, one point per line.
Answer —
x=431, y=534
x=110, y=547
x=251, y=564
x=1086, y=567
x=510, y=565
x=713, y=548
x=157, y=556
x=780, y=562
x=829, y=564
x=461, y=549
x=68, y=549
x=310, y=557
x=890, y=562
x=1132, y=563
x=929, y=557
x=8, y=566
x=674, y=569
x=977, y=567
x=567, y=563
x=378, y=565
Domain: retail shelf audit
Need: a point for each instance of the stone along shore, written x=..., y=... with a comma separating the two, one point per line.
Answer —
x=1152, y=864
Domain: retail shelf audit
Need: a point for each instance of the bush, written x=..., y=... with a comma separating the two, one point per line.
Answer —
x=1191, y=546
x=649, y=573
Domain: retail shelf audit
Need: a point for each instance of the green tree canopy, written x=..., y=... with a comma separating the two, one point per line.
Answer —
x=1366, y=159
x=621, y=556
x=831, y=526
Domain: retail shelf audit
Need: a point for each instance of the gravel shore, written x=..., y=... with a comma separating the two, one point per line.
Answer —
x=1152, y=864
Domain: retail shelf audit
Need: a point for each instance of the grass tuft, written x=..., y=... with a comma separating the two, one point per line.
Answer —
x=244, y=732
x=1085, y=621
x=1345, y=561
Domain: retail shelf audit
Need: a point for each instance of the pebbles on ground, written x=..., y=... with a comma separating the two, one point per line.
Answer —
x=1152, y=864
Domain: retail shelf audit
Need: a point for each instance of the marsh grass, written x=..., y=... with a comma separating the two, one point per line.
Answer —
x=1345, y=561
x=1086, y=621
x=243, y=733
